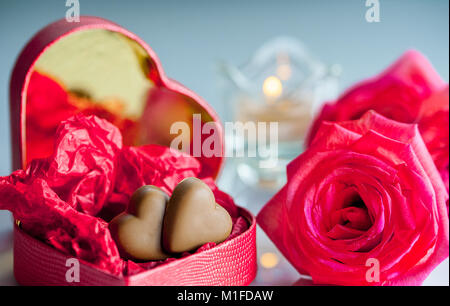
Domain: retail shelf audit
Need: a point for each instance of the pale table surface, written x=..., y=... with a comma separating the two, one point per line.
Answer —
x=253, y=198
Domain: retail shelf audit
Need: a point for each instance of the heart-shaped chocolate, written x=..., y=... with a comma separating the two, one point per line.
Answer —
x=193, y=218
x=137, y=231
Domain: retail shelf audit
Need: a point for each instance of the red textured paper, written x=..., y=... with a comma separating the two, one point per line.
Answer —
x=67, y=199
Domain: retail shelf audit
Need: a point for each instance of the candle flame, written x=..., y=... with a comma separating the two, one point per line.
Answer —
x=272, y=87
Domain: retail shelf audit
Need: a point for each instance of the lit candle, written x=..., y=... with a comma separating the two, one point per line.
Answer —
x=272, y=88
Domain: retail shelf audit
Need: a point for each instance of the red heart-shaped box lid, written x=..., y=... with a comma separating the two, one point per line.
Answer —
x=97, y=67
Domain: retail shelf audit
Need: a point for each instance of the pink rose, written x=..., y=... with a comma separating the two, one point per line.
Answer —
x=434, y=127
x=402, y=92
x=364, y=190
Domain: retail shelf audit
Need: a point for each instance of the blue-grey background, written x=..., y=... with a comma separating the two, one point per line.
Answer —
x=190, y=36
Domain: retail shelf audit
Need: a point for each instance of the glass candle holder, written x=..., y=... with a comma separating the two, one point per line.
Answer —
x=282, y=83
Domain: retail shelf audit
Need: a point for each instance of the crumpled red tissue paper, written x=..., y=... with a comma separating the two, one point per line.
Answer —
x=67, y=199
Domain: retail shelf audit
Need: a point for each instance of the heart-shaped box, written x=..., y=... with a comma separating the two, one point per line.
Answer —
x=71, y=52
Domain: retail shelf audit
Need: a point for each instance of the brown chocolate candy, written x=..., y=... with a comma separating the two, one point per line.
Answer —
x=193, y=218
x=137, y=232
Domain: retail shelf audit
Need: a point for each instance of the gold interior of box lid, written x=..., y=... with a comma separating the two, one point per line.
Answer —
x=106, y=74
x=102, y=65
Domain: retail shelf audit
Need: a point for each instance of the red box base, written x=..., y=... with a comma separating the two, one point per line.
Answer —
x=230, y=263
